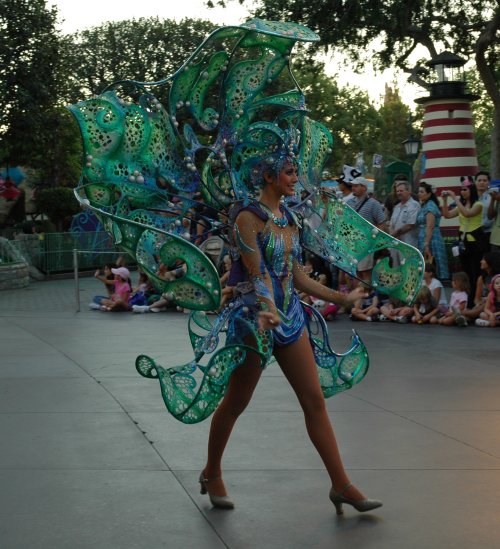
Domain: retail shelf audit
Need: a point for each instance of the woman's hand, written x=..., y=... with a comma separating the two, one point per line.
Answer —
x=268, y=320
x=226, y=296
x=358, y=293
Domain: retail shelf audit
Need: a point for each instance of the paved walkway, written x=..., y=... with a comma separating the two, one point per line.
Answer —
x=90, y=459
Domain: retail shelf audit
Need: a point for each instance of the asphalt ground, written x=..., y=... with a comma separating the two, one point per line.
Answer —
x=91, y=459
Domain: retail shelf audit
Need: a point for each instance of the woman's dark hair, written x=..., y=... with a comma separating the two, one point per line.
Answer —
x=482, y=172
x=430, y=268
x=493, y=260
x=320, y=267
x=428, y=189
x=474, y=197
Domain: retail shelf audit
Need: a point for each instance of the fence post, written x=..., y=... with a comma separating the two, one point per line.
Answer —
x=77, y=281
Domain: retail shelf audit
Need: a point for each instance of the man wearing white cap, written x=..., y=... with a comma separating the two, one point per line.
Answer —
x=371, y=210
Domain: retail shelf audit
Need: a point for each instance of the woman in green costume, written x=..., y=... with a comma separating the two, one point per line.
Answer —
x=267, y=238
x=228, y=134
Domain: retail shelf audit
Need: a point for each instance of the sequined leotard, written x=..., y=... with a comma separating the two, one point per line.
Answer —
x=265, y=276
x=270, y=254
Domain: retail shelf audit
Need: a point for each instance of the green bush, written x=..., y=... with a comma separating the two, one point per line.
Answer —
x=59, y=205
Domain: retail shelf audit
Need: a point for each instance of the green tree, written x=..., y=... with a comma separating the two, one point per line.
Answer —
x=482, y=112
x=59, y=162
x=346, y=111
x=144, y=50
x=394, y=116
x=387, y=33
x=28, y=57
x=59, y=205
x=33, y=132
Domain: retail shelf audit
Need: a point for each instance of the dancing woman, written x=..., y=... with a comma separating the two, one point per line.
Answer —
x=250, y=151
x=270, y=255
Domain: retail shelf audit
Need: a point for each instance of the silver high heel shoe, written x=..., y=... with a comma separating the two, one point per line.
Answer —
x=360, y=505
x=222, y=502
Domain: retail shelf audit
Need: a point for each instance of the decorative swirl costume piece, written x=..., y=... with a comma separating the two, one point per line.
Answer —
x=227, y=121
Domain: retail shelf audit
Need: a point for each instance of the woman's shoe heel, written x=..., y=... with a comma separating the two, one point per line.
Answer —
x=361, y=505
x=338, y=507
x=222, y=502
x=203, y=488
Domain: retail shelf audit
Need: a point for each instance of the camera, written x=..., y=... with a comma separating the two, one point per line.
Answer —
x=445, y=193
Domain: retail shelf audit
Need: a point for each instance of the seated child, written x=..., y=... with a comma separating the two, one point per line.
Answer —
x=490, y=266
x=119, y=300
x=395, y=311
x=425, y=307
x=490, y=317
x=458, y=301
x=436, y=288
x=366, y=308
x=158, y=303
x=140, y=293
x=108, y=279
x=327, y=310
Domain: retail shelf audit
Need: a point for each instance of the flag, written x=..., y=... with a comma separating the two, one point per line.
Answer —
x=377, y=161
x=360, y=162
x=423, y=160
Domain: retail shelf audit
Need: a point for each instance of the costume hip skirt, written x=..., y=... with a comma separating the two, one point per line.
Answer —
x=220, y=344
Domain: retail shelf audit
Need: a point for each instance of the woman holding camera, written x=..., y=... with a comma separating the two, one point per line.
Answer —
x=469, y=210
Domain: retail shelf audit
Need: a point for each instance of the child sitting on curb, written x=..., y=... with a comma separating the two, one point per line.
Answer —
x=425, y=308
x=458, y=301
x=436, y=288
x=395, y=311
x=366, y=308
x=490, y=317
x=121, y=294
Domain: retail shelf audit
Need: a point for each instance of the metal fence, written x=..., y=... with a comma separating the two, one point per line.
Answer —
x=53, y=252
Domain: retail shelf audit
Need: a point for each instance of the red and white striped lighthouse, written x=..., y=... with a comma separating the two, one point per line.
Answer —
x=449, y=147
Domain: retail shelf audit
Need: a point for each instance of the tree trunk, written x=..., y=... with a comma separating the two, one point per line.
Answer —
x=488, y=38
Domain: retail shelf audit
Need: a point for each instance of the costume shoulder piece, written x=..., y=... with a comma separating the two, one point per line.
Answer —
x=232, y=110
x=146, y=163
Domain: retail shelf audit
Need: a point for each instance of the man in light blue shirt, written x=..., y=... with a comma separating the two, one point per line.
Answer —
x=403, y=223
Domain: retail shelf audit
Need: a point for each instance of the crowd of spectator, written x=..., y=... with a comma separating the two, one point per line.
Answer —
x=411, y=218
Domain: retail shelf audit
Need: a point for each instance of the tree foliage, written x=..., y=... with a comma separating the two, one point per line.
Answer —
x=28, y=72
x=59, y=204
x=395, y=123
x=346, y=111
x=483, y=115
x=387, y=33
x=145, y=50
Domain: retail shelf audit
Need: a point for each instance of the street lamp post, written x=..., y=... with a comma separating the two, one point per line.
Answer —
x=411, y=146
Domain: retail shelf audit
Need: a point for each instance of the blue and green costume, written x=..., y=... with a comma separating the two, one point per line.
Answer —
x=226, y=121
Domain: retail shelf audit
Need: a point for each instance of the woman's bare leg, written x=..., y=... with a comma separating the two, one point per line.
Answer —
x=298, y=365
x=241, y=387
